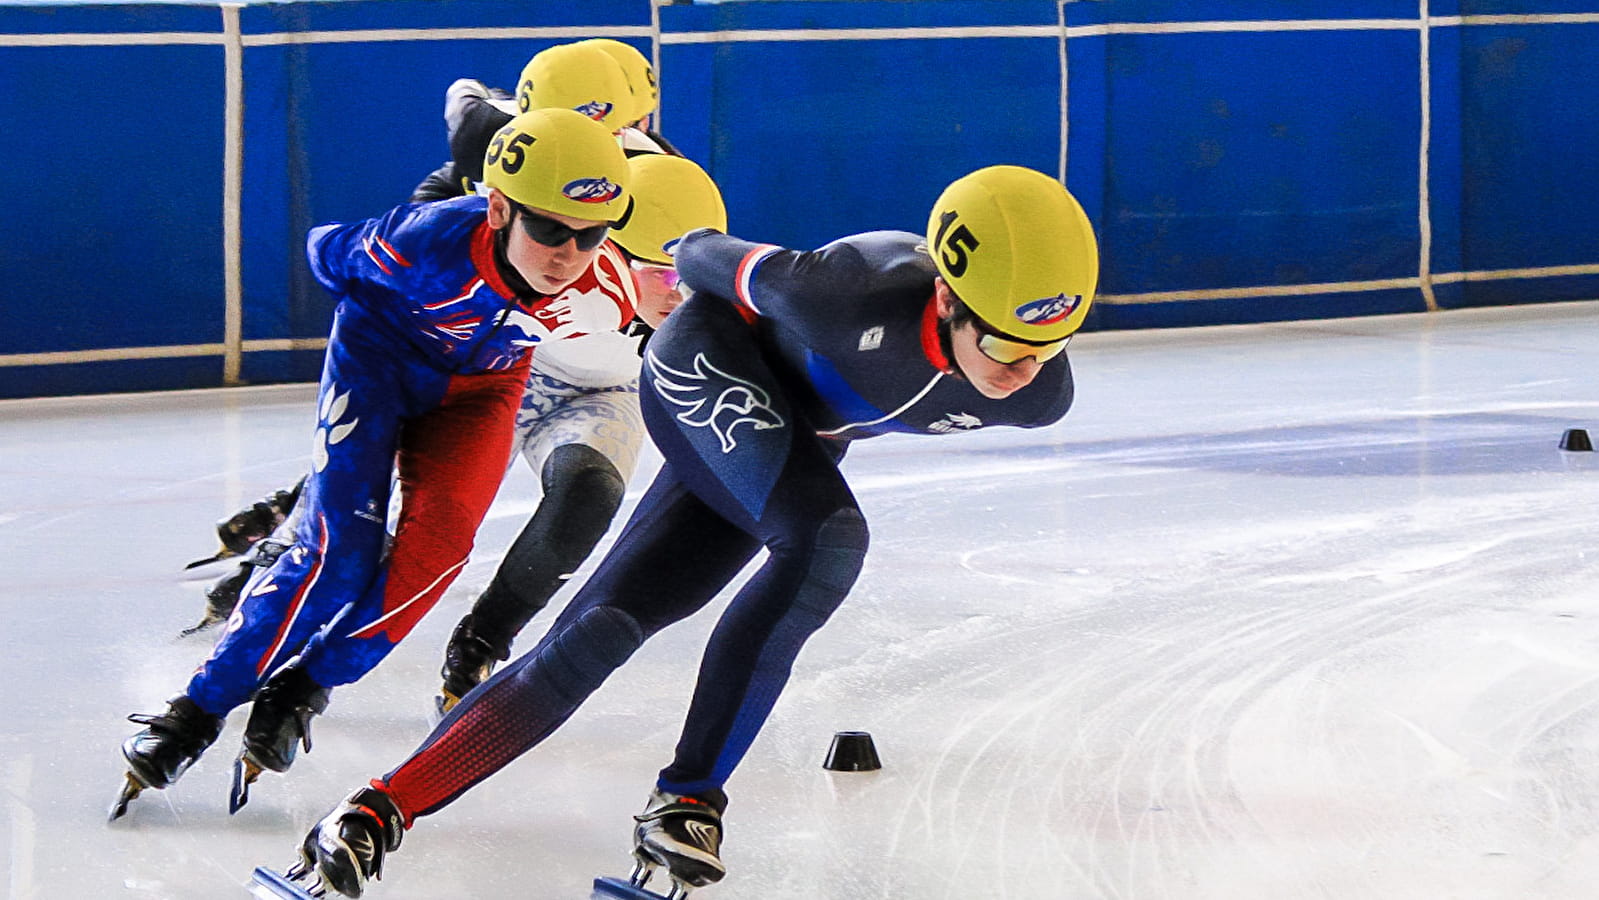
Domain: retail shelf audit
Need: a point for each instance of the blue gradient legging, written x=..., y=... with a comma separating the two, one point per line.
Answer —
x=740, y=474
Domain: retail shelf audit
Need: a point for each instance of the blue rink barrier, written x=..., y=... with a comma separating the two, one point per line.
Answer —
x=1250, y=160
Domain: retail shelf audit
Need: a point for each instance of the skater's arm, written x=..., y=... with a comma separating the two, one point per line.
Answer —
x=791, y=286
x=364, y=257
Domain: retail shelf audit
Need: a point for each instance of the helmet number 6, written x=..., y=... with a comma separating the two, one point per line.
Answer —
x=961, y=240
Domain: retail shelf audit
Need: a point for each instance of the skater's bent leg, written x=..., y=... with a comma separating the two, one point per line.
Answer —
x=450, y=463
x=336, y=550
x=584, y=443
x=673, y=557
x=582, y=492
x=515, y=709
x=752, y=651
x=771, y=475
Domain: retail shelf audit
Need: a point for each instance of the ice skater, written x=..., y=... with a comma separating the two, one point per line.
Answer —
x=753, y=390
x=604, y=79
x=439, y=307
x=579, y=427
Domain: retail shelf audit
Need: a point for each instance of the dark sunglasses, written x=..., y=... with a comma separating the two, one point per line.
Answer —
x=552, y=233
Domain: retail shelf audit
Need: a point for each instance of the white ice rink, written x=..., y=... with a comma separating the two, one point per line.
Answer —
x=1278, y=611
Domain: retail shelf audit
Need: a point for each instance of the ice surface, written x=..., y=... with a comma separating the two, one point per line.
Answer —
x=1288, y=610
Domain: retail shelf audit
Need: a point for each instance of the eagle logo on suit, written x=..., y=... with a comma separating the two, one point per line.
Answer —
x=711, y=398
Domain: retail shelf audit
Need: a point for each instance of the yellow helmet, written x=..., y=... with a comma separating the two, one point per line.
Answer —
x=1017, y=248
x=671, y=197
x=640, y=76
x=579, y=76
x=559, y=161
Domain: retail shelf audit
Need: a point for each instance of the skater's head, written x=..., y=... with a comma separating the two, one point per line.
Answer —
x=646, y=93
x=671, y=197
x=582, y=77
x=556, y=180
x=1017, y=267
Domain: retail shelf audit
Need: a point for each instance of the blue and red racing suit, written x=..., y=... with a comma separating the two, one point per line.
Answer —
x=752, y=390
x=424, y=373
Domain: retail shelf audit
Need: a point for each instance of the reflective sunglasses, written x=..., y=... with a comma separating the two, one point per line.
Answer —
x=1008, y=351
x=552, y=233
x=667, y=274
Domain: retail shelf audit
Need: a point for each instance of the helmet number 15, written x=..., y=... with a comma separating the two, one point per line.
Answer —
x=515, y=151
x=961, y=240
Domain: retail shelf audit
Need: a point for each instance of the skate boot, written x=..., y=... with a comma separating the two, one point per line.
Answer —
x=220, y=599
x=240, y=531
x=223, y=596
x=280, y=721
x=684, y=834
x=468, y=662
x=168, y=745
x=345, y=850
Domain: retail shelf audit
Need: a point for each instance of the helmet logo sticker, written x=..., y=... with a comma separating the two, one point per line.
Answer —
x=596, y=109
x=592, y=190
x=961, y=241
x=712, y=398
x=1049, y=310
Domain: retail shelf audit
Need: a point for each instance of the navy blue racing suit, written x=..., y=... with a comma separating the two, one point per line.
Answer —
x=752, y=390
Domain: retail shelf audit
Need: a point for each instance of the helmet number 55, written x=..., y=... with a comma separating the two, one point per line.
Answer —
x=515, y=152
x=961, y=240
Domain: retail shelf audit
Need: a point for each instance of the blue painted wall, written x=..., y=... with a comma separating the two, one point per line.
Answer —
x=1237, y=168
x=339, y=131
x=112, y=161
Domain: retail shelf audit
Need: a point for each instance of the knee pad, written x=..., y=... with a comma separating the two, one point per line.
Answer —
x=839, y=552
x=590, y=649
x=841, y=545
x=582, y=464
x=582, y=491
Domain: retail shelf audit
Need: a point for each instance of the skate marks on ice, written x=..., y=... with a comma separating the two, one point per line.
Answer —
x=1149, y=708
x=1415, y=714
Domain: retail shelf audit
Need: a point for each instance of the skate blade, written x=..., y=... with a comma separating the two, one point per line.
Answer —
x=245, y=772
x=202, y=625
x=617, y=889
x=131, y=788
x=266, y=884
x=221, y=554
x=647, y=861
